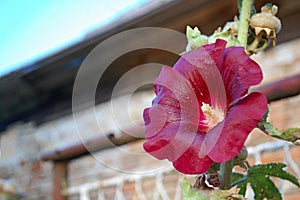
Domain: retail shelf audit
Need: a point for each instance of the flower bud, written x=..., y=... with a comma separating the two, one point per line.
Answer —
x=195, y=38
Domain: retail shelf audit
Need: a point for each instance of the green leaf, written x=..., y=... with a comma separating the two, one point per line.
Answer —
x=259, y=178
x=189, y=193
x=272, y=130
x=290, y=131
x=291, y=134
x=265, y=117
x=236, y=177
x=264, y=187
x=273, y=169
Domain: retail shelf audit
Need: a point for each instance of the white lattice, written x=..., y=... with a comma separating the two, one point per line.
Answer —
x=118, y=182
x=159, y=190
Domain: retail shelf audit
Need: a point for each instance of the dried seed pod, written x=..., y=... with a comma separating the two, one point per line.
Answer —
x=232, y=27
x=207, y=181
x=266, y=22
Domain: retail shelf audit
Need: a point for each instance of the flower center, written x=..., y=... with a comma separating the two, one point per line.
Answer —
x=213, y=116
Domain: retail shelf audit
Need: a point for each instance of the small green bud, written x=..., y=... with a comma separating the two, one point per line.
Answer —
x=195, y=38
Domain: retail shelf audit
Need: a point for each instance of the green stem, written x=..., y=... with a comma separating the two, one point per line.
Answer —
x=244, y=22
x=239, y=181
x=225, y=174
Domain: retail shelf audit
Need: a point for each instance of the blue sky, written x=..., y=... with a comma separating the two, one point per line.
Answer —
x=33, y=29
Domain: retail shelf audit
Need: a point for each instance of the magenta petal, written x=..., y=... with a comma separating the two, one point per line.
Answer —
x=194, y=76
x=171, y=142
x=177, y=97
x=172, y=121
x=201, y=69
x=216, y=51
x=177, y=144
x=155, y=119
x=241, y=119
x=190, y=162
x=155, y=144
x=239, y=72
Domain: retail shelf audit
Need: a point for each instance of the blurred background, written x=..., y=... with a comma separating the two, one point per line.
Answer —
x=46, y=154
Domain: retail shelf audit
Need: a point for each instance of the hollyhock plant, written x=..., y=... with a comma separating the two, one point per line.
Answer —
x=202, y=112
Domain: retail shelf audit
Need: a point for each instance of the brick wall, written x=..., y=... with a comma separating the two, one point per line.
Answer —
x=22, y=142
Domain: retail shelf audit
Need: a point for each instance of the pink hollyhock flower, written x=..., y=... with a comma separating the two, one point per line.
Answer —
x=202, y=113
